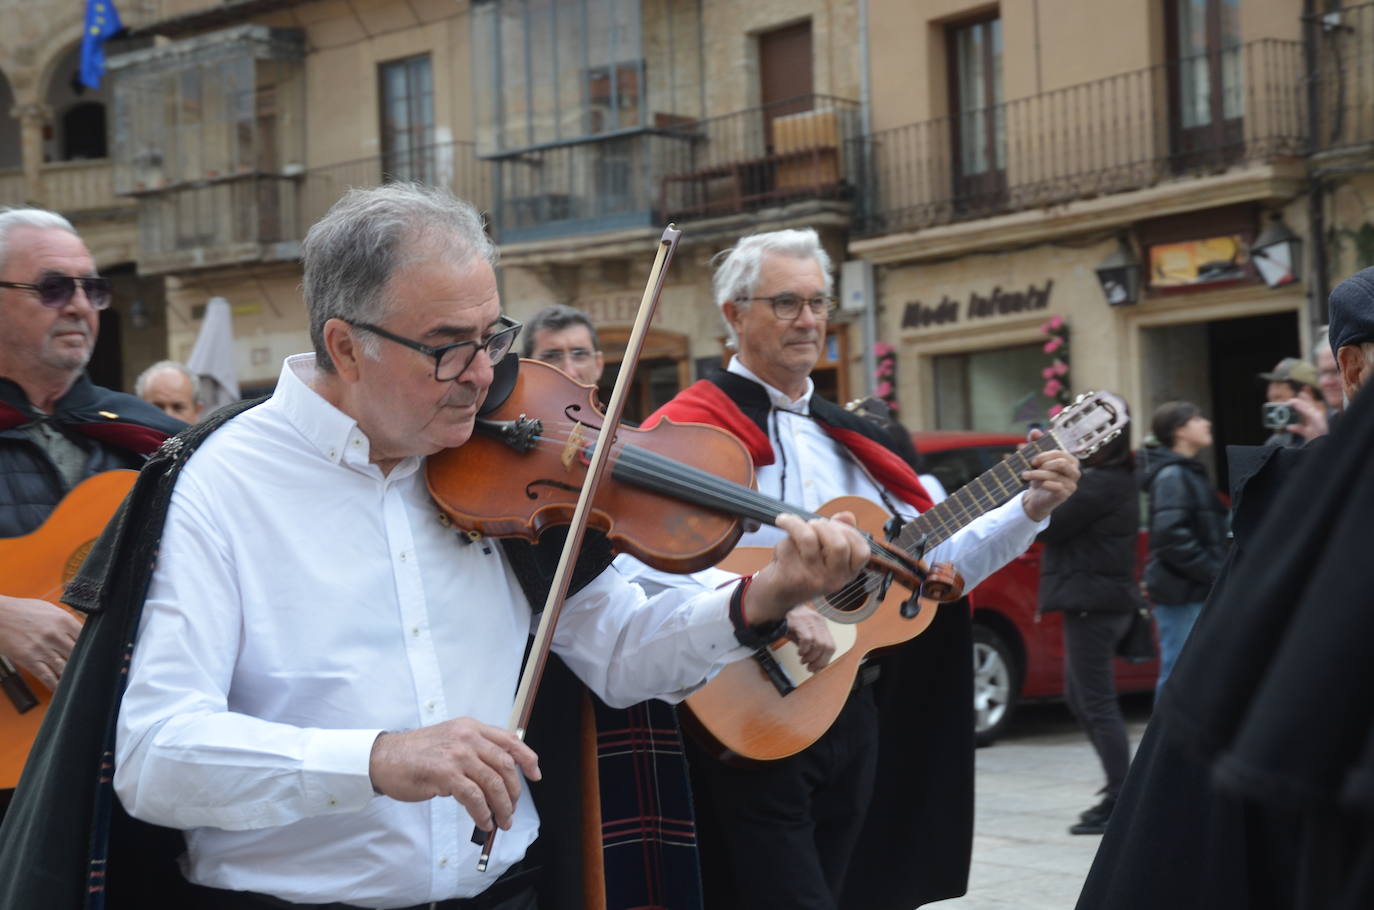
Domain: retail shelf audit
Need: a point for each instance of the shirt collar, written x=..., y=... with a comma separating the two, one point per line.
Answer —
x=333, y=433
x=776, y=398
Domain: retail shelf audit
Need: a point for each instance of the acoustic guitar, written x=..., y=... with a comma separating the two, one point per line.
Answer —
x=771, y=706
x=39, y=565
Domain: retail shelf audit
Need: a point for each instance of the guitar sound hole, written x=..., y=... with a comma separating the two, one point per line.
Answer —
x=852, y=598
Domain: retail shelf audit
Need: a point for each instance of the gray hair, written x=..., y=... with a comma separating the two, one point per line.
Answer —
x=556, y=318
x=141, y=383
x=40, y=219
x=1321, y=343
x=369, y=236
x=737, y=269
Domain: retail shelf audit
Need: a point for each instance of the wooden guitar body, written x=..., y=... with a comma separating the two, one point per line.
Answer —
x=742, y=710
x=39, y=565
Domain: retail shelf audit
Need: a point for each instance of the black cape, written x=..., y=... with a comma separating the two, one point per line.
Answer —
x=67, y=844
x=1254, y=784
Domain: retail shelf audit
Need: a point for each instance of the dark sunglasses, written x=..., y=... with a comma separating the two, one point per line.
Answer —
x=57, y=291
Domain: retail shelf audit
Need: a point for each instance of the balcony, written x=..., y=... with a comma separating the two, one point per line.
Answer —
x=1244, y=105
x=69, y=187
x=1345, y=82
x=678, y=170
x=453, y=165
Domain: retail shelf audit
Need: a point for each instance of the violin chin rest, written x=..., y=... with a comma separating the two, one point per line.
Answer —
x=504, y=375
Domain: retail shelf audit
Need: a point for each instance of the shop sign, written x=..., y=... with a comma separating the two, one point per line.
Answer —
x=1197, y=261
x=998, y=303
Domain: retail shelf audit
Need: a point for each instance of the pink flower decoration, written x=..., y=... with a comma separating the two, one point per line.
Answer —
x=1056, y=322
x=1047, y=373
x=882, y=348
x=1054, y=411
x=884, y=368
x=1053, y=345
x=883, y=389
x=1060, y=368
x=1052, y=388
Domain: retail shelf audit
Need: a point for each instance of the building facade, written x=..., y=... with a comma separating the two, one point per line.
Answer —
x=975, y=165
x=1040, y=149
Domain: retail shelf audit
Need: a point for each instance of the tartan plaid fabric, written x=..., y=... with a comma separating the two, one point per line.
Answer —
x=648, y=836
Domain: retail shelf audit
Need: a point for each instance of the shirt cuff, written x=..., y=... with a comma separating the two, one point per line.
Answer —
x=710, y=632
x=336, y=766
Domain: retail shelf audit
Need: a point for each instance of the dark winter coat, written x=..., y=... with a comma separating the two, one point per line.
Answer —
x=1187, y=528
x=1089, y=561
x=114, y=429
x=1252, y=785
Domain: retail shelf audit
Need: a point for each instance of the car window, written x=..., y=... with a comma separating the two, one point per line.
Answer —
x=956, y=467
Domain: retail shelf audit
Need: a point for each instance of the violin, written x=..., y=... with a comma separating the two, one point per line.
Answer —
x=676, y=496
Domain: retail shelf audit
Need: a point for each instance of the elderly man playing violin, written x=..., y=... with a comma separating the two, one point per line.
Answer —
x=899, y=754
x=321, y=668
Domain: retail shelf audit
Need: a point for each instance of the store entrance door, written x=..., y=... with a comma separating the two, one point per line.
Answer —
x=1215, y=366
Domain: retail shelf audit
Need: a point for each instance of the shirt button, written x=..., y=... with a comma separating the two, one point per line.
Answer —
x=415, y=631
x=333, y=453
x=333, y=802
x=429, y=706
x=443, y=861
x=403, y=556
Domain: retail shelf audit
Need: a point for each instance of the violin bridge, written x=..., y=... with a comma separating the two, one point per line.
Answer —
x=576, y=440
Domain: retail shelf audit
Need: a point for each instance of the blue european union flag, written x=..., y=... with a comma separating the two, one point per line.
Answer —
x=102, y=21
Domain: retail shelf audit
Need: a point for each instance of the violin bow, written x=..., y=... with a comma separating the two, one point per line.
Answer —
x=572, y=546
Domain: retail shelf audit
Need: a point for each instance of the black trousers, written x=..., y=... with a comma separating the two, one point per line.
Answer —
x=779, y=835
x=1090, y=687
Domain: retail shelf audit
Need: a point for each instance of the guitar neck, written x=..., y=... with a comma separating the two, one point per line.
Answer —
x=984, y=493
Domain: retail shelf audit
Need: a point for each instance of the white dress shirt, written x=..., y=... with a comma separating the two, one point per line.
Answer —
x=303, y=602
x=810, y=468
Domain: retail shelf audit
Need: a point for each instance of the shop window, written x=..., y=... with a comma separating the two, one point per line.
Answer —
x=407, y=119
x=978, y=121
x=994, y=391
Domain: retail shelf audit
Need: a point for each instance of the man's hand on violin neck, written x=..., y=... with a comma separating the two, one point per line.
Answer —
x=473, y=762
x=816, y=558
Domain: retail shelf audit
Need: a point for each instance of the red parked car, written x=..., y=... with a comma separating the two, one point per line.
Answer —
x=1018, y=655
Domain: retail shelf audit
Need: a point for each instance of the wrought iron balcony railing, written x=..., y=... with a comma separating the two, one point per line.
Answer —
x=680, y=170
x=1243, y=104
x=1344, y=75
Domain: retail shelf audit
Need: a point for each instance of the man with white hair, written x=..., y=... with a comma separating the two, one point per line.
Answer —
x=899, y=755
x=57, y=428
x=171, y=388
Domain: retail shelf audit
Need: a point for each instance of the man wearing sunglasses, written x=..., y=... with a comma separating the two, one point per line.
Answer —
x=56, y=427
x=899, y=755
x=323, y=670
x=564, y=337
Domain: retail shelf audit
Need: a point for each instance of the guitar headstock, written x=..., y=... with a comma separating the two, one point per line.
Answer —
x=1093, y=420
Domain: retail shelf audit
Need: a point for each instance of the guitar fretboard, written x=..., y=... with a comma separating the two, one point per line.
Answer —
x=981, y=495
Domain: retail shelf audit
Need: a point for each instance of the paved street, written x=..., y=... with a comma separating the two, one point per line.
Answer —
x=1031, y=786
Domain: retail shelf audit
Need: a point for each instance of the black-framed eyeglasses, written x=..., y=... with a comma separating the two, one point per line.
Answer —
x=788, y=306
x=57, y=291
x=451, y=360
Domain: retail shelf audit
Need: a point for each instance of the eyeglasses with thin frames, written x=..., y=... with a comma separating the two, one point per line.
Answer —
x=56, y=291
x=452, y=360
x=788, y=306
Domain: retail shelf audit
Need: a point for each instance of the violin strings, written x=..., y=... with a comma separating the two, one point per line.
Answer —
x=648, y=469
